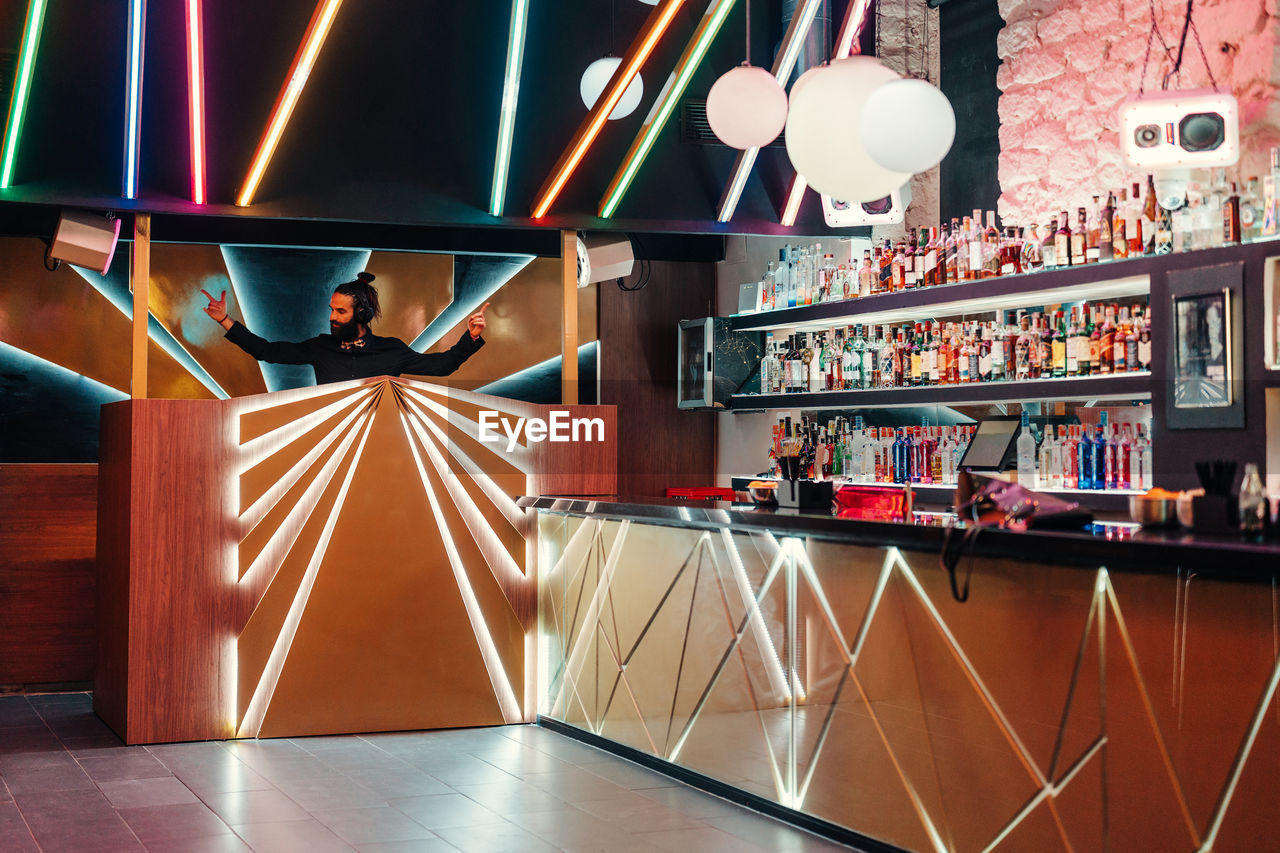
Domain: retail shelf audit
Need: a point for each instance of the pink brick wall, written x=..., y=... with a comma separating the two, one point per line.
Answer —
x=1067, y=64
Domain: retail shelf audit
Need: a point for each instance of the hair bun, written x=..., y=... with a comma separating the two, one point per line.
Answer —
x=366, y=277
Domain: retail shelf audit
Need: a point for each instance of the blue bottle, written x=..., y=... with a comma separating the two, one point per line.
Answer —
x=899, y=457
x=1085, y=461
x=1100, y=454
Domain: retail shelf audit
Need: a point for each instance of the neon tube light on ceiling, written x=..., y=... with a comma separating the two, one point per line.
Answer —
x=510, y=97
x=656, y=25
x=854, y=20
x=782, y=68
x=195, y=98
x=715, y=16
x=133, y=95
x=317, y=30
x=22, y=88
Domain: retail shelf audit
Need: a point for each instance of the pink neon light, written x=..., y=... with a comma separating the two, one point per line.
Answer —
x=195, y=98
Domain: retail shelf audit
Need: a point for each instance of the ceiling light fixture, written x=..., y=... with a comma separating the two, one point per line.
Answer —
x=783, y=65
x=317, y=30
x=654, y=27
x=133, y=94
x=598, y=75
x=855, y=18
x=510, y=98
x=195, y=98
x=747, y=106
x=703, y=36
x=22, y=87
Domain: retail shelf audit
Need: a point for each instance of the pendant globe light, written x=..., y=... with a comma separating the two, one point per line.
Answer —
x=600, y=72
x=747, y=106
x=824, y=130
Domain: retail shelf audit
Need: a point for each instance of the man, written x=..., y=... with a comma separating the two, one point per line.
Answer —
x=351, y=350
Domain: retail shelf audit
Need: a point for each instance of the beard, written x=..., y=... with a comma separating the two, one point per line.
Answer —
x=347, y=331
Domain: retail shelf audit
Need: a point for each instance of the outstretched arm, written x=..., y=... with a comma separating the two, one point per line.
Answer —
x=275, y=352
x=444, y=363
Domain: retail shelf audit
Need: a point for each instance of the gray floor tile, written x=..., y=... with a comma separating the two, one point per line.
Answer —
x=576, y=785
x=75, y=821
x=772, y=834
x=466, y=770
x=569, y=828
x=220, y=778
x=119, y=766
x=15, y=836
x=241, y=807
x=229, y=843
x=418, y=845
x=362, y=826
x=337, y=794
x=705, y=839
x=635, y=813
x=169, y=823
x=631, y=776
x=495, y=838
x=509, y=798
x=140, y=793
x=48, y=777
x=21, y=740
x=300, y=836
x=446, y=810
x=691, y=802
x=5, y=796
x=16, y=712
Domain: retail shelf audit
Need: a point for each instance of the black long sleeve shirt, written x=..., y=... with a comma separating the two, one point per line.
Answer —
x=378, y=357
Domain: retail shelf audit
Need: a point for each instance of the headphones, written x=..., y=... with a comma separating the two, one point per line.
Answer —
x=364, y=310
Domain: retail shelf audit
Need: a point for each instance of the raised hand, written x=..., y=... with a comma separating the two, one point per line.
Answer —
x=217, y=308
x=475, y=323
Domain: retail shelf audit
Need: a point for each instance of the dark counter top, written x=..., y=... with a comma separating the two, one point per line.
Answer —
x=1120, y=547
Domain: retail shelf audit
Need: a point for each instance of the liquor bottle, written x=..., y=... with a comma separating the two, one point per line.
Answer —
x=866, y=274
x=1124, y=455
x=1045, y=459
x=785, y=296
x=968, y=360
x=1231, y=227
x=804, y=275
x=1022, y=363
x=986, y=366
x=1133, y=224
x=1048, y=253
x=1144, y=343
x=833, y=359
x=1119, y=243
x=953, y=251
x=1185, y=237
x=827, y=278
x=964, y=272
x=1085, y=460
x=974, y=236
x=1062, y=242
x=1270, y=199
x=910, y=270
x=1072, y=348
x=912, y=361
x=886, y=268
x=885, y=357
x=1131, y=339
x=1111, y=468
x=1250, y=212
x=992, y=257
x=932, y=356
x=1010, y=253
x=1079, y=240
x=1106, y=244
x=900, y=267
x=1120, y=343
x=1095, y=342
x=850, y=364
x=768, y=294
x=1093, y=235
x=1058, y=344
x=999, y=364
x=810, y=357
x=1099, y=480
x=1150, y=213
x=1106, y=345
x=1026, y=455
x=1029, y=250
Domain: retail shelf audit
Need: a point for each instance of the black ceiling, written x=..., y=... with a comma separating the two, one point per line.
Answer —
x=398, y=121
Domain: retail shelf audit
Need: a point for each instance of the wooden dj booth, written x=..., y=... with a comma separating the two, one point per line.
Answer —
x=346, y=558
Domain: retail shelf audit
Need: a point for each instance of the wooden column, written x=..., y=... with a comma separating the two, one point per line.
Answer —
x=569, y=318
x=139, y=280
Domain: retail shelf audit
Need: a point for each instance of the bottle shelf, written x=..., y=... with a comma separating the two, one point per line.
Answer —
x=933, y=494
x=1117, y=386
x=962, y=298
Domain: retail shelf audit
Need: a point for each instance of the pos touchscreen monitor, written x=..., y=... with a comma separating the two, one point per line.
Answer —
x=994, y=446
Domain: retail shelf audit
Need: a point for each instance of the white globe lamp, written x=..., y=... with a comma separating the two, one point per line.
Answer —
x=922, y=129
x=598, y=75
x=747, y=107
x=824, y=124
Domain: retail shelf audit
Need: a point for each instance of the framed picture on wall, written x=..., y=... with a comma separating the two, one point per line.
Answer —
x=1202, y=369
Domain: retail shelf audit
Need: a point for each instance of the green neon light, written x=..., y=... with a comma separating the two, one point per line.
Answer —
x=18, y=105
x=510, y=97
x=689, y=63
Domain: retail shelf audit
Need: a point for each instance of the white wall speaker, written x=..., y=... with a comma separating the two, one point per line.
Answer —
x=1187, y=128
x=602, y=257
x=85, y=239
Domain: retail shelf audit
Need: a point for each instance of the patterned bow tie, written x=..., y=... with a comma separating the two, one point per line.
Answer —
x=358, y=342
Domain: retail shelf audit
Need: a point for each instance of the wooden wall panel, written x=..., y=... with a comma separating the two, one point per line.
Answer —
x=658, y=445
x=47, y=573
x=111, y=668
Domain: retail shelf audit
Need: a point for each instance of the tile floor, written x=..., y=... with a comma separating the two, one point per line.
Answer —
x=68, y=784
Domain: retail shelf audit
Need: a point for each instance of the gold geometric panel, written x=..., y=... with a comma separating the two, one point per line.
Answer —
x=1058, y=709
x=413, y=288
x=360, y=558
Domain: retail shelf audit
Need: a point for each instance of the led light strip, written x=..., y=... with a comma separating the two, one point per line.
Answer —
x=703, y=36
x=659, y=19
x=133, y=95
x=288, y=98
x=22, y=87
x=855, y=18
x=510, y=98
x=783, y=65
x=195, y=97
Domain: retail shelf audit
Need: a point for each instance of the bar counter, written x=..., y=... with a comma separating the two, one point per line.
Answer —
x=1091, y=693
x=1118, y=546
